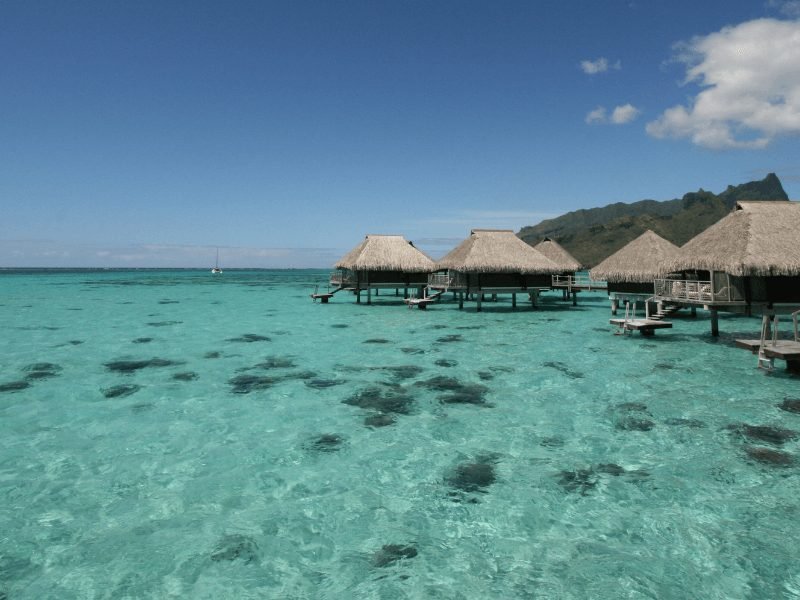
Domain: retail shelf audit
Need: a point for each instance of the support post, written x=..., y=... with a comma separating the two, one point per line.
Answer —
x=369, y=295
x=461, y=300
x=694, y=311
x=534, y=298
x=480, y=297
x=574, y=298
x=405, y=293
x=514, y=300
x=714, y=323
x=614, y=306
x=358, y=296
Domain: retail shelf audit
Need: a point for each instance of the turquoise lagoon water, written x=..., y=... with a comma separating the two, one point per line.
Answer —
x=173, y=434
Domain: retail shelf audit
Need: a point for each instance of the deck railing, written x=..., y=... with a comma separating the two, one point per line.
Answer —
x=686, y=290
x=581, y=281
x=444, y=281
x=342, y=278
x=695, y=291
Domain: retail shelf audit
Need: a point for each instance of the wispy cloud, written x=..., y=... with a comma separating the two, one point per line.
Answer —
x=788, y=8
x=620, y=115
x=624, y=114
x=598, y=115
x=750, y=87
x=601, y=65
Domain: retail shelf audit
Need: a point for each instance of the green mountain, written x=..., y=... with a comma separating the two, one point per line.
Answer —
x=591, y=235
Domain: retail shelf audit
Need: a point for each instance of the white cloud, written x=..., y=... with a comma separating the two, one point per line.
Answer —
x=601, y=65
x=789, y=8
x=619, y=116
x=624, y=114
x=751, y=87
x=598, y=115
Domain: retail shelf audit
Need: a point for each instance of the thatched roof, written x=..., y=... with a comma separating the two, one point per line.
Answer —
x=386, y=253
x=756, y=239
x=556, y=252
x=496, y=251
x=641, y=260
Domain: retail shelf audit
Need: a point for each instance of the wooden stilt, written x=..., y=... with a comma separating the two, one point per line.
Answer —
x=514, y=300
x=480, y=297
x=461, y=300
x=694, y=311
x=405, y=293
x=614, y=306
x=369, y=295
x=714, y=323
x=358, y=296
x=574, y=298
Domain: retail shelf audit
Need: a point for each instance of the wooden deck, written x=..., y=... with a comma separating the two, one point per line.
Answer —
x=787, y=350
x=644, y=326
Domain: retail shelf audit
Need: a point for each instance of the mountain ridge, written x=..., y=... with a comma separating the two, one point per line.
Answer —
x=593, y=234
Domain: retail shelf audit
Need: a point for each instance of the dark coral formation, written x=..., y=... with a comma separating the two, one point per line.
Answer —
x=764, y=433
x=790, y=405
x=185, y=376
x=249, y=338
x=120, y=391
x=559, y=366
x=392, y=553
x=244, y=384
x=384, y=399
x=583, y=481
x=446, y=362
x=131, y=366
x=326, y=442
x=448, y=339
x=458, y=392
x=473, y=476
x=14, y=386
x=770, y=457
x=379, y=420
x=235, y=547
x=633, y=416
x=321, y=384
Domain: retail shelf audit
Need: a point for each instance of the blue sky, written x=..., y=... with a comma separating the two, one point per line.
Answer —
x=148, y=133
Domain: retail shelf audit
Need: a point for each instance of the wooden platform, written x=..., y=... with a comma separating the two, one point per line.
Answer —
x=783, y=349
x=787, y=350
x=644, y=326
x=421, y=303
x=322, y=297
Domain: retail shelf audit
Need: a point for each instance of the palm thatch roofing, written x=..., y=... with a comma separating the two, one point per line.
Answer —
x=386, y=253
x=496, y=251
x=640, y=261
x=556, y=252
x=755, y=239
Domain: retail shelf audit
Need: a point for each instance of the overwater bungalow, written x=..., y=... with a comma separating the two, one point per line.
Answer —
x=382, y=262
x=748, y=263
x=632, y=270
x=493, y=261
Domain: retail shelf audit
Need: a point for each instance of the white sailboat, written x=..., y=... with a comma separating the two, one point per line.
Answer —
x=216, y=268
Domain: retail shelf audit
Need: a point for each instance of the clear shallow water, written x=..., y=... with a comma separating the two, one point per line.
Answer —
x=165, y=450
